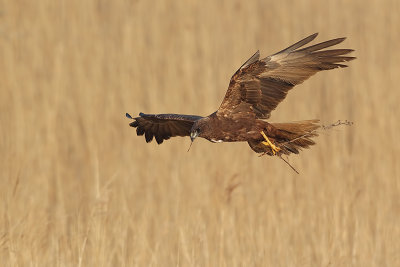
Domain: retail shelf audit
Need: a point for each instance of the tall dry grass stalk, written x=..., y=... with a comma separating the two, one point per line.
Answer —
x=78, y=188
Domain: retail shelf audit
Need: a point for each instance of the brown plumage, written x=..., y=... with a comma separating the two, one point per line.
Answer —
x=254, y=91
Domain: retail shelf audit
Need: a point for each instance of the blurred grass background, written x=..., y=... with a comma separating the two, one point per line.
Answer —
x=79, y=188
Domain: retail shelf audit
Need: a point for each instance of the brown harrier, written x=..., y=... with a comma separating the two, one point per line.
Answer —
x=254, y=91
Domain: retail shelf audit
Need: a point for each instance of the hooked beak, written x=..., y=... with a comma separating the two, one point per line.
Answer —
x=193, y=135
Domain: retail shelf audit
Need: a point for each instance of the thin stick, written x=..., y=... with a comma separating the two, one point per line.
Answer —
x=190, y=146
x=288, y=164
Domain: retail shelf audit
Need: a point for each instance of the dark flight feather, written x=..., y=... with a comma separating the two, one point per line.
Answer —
x=163, y=126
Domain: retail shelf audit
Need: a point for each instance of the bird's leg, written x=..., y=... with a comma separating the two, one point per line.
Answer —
x=267, y=142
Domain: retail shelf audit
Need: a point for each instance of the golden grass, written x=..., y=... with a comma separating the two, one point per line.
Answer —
x=79, y=188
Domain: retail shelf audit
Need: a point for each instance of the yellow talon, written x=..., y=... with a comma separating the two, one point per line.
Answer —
x=267, y=142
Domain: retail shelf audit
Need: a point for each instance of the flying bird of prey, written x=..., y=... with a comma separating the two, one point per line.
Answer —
x=254, y=91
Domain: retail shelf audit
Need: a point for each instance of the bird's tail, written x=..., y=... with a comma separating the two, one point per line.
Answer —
x=294, y=136
x=289, y=137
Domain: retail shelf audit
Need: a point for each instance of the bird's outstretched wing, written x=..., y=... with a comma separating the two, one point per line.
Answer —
x=162, y=126
x=260, y=85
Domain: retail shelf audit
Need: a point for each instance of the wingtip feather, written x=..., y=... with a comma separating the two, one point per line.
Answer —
x=313, y=36
x=134, y=124
x=299, y=44
x=322, y=45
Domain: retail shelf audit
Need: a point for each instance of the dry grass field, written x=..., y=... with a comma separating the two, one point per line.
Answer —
x=79, y=188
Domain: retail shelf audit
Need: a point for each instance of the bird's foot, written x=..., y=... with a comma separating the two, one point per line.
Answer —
x=268, y=143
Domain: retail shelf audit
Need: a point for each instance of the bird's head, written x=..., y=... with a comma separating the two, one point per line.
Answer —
x=195, y=131
x=198, y=129
x=194, y=134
